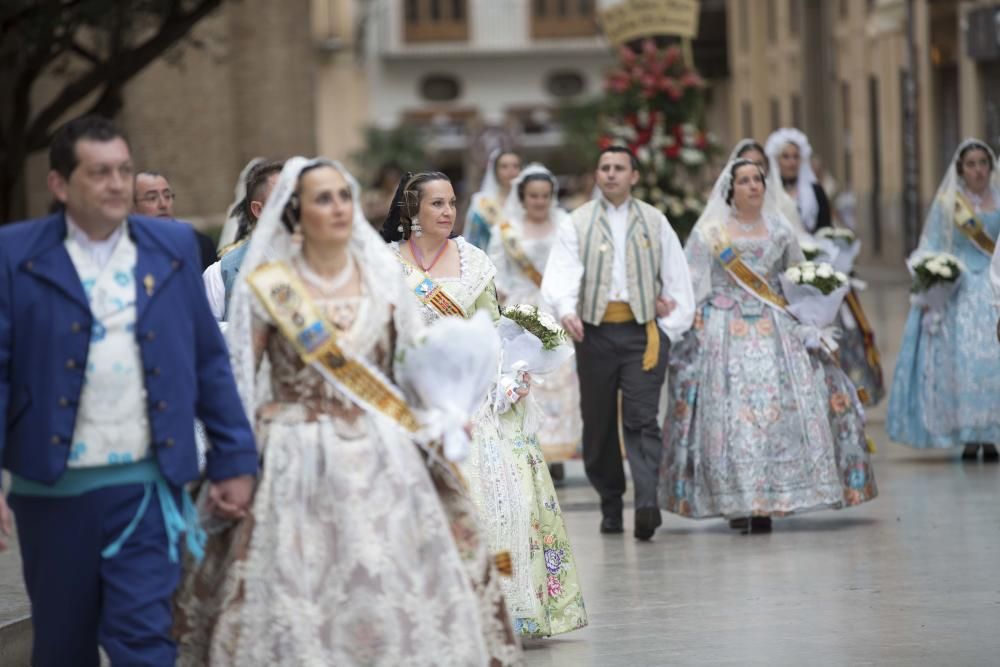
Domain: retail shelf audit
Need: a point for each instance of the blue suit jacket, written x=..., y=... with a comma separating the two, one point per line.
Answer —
x=45, y=325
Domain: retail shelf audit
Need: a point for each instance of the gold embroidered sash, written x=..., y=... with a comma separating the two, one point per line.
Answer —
x=512, y=246
x=315, y=340
x=971, y=226
x=430, y=293
x=746, y=277
x=488, y=210
x=868, y=334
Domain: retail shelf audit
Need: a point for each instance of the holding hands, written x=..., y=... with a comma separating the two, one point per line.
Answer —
x=230, y=498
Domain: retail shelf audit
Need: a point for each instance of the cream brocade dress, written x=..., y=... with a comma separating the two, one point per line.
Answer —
x=558, y=396
x=350, y=555
x=511, y=485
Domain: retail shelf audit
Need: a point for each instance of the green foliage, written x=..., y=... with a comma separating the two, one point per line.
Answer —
x=404, y=146
x=536, y=323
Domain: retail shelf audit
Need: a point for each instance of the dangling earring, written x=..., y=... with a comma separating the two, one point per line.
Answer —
x=415, y=227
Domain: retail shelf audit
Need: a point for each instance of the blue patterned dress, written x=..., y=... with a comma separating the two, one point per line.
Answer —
x=946, y=386
x=757, y=424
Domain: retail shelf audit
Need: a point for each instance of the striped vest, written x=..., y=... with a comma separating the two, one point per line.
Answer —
x=642, y=259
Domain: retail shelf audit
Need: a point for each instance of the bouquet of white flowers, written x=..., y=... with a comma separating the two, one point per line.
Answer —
x=810, y=249
x=935, y=278
x=847, y=244
x=451, y=369
x=533, y=343
x=814, y=292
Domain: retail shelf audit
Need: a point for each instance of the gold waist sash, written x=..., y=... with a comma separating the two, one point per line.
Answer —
x=619, y=312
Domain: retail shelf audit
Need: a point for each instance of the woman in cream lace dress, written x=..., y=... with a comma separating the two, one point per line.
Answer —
x=357, y=546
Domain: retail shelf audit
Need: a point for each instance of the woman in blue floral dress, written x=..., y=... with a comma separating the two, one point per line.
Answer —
x=758, y=425
x=946, y=386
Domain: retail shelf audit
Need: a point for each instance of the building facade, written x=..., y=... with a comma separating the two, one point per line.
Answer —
x=200, y=114
x=838, y=70
x=475, y=74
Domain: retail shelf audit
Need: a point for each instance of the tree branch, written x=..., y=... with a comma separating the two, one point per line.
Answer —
x=120, y=68
x=78, y=49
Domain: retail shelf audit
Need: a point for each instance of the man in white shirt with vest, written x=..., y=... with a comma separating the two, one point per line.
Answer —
x=618, y=280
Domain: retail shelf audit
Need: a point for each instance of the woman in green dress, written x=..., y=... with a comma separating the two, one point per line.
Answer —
x=507, y=475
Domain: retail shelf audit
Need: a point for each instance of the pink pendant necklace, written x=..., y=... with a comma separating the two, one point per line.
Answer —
x=419, y=256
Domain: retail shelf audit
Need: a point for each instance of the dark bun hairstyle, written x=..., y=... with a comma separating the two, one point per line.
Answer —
x=406, y=203
x=496, y=163
x=532, y=178
x=742, y=162
x=293, y=208
x=974, y=146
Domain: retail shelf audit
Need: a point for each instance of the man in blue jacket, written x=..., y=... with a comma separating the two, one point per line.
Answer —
x=108, y=353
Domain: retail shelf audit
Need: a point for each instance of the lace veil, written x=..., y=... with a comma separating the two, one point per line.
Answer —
x=232, y=224
x=513, y=210
x=939, y=229
x=489, y=187
x=808, y=207
x=271, y=241
x=711, y=225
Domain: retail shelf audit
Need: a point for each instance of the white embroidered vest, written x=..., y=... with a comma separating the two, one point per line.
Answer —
x=112, y=425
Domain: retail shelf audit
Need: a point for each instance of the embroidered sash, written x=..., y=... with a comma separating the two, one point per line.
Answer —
x=868, y=334
x=488, y=210
x=746, y=277
x=971, y=226
x=512, y=246
x=430, y=293
x=315, y=340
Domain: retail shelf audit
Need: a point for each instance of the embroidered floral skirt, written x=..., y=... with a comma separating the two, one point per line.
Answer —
x=757, y=424
x=513, y=490
x=348, y=559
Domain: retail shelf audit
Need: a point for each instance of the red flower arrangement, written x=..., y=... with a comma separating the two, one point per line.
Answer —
x=654, y=105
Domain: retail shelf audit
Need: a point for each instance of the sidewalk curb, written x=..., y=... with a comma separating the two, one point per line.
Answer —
x=15, y=643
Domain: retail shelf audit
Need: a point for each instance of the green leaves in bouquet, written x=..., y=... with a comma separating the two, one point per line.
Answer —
x=530, y=319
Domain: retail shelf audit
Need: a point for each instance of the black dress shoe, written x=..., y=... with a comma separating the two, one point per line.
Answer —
x=990, y=454
x=760, y=524
x=611, y=525
x=647, y=519
x=970, y=453
x=740, y=523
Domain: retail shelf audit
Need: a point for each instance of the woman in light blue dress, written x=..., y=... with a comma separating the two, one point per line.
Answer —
x=946, y=386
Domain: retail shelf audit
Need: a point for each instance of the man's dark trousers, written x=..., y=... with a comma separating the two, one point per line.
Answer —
x=608, y=359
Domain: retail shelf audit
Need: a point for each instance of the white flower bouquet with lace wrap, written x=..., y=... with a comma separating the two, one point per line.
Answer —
x=847, y=247
x=814, y=292
x=533, y=343
x=451, y=369
x=935, y=278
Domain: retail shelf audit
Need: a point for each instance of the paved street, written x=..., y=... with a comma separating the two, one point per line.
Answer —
x=908, y=579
